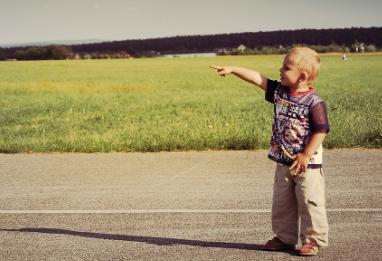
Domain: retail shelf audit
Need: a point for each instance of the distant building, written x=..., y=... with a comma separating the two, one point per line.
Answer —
x=241, y=48
x=75, y=56
x=124, y=54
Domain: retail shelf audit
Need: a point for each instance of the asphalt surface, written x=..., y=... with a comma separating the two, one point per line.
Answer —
x=175, y=206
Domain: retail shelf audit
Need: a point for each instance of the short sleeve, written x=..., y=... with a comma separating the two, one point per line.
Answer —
x=270, y=93
x=319, y=118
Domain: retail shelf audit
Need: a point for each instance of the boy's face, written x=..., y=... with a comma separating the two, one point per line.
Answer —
x=289, y=73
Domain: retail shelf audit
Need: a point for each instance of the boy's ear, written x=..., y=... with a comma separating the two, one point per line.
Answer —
x=303, y=77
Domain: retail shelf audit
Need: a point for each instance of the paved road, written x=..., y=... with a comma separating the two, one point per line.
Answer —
x=174, y=206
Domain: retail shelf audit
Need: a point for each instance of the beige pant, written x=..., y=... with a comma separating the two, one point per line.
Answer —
x=301, y=196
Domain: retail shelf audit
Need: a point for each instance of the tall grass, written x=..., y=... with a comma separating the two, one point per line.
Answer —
x=353, y=93
x=172, y=104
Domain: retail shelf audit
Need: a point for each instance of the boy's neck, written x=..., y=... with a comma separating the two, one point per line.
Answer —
x=301, y=87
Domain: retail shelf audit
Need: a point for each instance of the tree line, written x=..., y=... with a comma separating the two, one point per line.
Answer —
x=54, y=52
x=276, y=42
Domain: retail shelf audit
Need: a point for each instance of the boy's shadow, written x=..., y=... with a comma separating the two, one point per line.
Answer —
x=160, y=241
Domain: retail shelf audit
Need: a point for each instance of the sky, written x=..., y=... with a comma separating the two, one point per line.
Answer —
x=26, y=21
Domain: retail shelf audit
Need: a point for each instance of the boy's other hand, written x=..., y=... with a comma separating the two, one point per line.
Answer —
x=300, y=163
x=222, y=70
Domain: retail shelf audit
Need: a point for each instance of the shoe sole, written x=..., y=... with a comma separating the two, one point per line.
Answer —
x=310, y=254
x=304, y=254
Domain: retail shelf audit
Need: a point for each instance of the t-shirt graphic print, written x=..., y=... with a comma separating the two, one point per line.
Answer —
x=296, y=117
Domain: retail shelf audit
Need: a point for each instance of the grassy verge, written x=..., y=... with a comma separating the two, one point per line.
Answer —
x=172, y=104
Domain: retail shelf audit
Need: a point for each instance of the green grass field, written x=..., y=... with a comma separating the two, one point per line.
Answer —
x=173, y=104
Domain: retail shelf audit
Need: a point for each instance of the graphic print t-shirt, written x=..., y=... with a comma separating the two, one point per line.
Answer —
x=296, y=117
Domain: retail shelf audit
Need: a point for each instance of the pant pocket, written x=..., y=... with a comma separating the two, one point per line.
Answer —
x=312, y=188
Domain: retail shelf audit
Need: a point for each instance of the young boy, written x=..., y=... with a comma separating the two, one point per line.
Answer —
x=300, y=125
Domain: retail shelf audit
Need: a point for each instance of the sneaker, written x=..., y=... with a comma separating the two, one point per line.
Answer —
x=276, y=244
x=309, y=249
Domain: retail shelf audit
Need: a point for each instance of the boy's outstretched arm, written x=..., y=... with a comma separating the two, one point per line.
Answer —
x=245, y=74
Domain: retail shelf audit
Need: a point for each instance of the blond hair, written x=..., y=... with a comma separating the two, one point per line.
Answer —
x=306, y=60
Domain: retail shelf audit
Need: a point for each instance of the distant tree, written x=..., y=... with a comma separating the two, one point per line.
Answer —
x=279, y=50
x=248, y=51
x=36, y=53
x=131, y=51
x=102, y=56
x=3, y=56
x=82, y=54
x=20, y=55
x=86, y=56
x=95, y=55
x=266, y=50
x=342, y=49
x=58, y=52
x=115, y=56
x=333, y=48
x=371, y=48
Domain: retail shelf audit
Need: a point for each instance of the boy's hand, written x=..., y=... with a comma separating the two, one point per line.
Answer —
x=222, y=70
x=300, y=163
